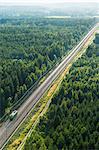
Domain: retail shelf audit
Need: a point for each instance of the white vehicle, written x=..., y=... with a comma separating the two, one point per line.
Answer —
x=13, y=115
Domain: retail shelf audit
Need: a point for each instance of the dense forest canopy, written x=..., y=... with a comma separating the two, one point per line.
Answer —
x=97, y=38
x=29, y=47
x=72, y=120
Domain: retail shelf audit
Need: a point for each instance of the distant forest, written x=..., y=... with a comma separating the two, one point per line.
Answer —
x=72, y=120
x=29, y=48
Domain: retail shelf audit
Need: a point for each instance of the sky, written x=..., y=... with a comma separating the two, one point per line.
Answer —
x=26, y=2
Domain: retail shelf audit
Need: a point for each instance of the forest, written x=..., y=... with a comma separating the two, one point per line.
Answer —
x=72, y=120
x=96, y=41
x=29, y=48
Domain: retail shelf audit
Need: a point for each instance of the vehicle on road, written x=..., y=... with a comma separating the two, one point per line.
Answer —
x=13, y=115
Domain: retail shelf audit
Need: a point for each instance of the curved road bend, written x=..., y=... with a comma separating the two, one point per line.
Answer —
x=9, y=127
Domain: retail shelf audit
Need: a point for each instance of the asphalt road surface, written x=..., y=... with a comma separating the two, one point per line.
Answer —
x=9, y=127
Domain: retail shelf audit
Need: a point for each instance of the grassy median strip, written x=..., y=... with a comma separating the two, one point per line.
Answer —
x=41, y=107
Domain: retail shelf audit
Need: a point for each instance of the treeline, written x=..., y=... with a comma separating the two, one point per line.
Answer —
x=29, y=48
x=96, y=41
x=72, y=121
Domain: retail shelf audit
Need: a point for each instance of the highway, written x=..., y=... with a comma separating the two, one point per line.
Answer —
x=9, y=127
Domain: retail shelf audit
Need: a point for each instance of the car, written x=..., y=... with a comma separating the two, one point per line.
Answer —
x=13, y=115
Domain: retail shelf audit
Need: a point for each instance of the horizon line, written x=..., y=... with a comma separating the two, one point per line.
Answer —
x=37, y=4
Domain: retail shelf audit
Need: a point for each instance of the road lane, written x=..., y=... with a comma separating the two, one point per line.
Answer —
x=9, y=127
